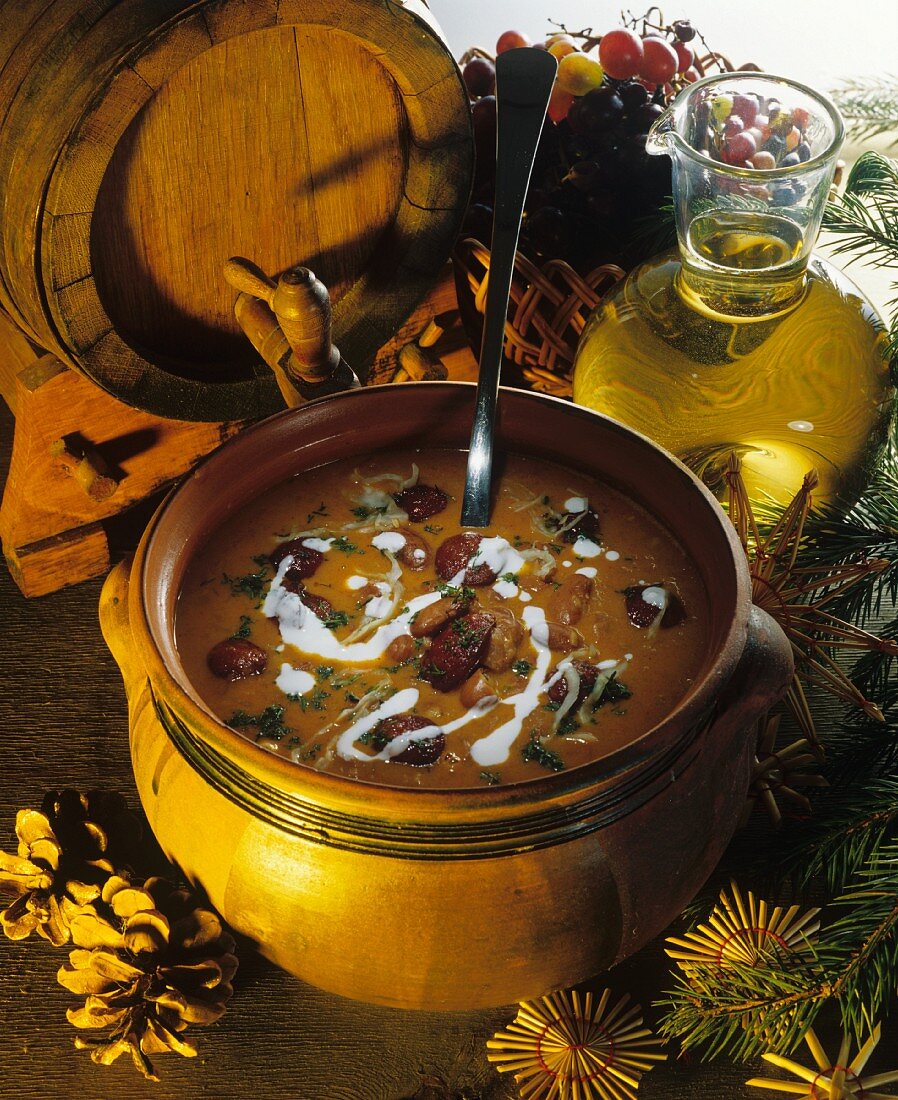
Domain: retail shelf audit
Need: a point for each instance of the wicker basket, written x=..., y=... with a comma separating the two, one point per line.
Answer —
x=549, y=307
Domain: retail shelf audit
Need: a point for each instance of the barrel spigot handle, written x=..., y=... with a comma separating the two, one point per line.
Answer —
x=289, y=323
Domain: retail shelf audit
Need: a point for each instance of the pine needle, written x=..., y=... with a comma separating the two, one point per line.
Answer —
x=865, y=217
x=870, y=106
x=851, y=825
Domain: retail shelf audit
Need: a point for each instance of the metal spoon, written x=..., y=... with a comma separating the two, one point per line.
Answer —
x=524, y=80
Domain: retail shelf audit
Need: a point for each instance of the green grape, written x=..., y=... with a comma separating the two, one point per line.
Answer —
x=579, y=74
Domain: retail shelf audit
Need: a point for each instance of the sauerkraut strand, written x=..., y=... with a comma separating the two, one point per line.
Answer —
x=545, y=559
x=370, y=701
x=604, y=678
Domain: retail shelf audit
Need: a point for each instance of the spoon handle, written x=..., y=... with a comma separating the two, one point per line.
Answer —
x=524, y=79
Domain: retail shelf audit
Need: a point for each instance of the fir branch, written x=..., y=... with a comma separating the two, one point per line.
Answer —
x=743, y=1010
x=862, y=749
x=869, y=106
x=852, y=824
x=864, y=214
x=869, y=531
x=873, y=672
x=866, y=218
x=867, y=938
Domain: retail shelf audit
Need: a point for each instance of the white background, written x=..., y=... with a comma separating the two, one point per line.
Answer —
x=814, y=41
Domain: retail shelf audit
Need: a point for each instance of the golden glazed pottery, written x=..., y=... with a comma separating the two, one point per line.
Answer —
x=443, y=899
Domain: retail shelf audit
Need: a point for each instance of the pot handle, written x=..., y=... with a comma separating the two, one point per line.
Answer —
x=115, y=622
x=762, y=675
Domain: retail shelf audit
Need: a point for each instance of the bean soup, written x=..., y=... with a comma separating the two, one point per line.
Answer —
x=346, y=621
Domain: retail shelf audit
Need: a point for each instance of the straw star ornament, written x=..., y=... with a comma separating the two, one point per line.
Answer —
x=797, y=598
x=839, y=1080
x=740, y=933
x=561, y=1048
x=777, y=773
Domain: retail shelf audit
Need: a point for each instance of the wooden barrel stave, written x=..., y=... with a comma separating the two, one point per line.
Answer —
x=378, y=259
x=56, y=91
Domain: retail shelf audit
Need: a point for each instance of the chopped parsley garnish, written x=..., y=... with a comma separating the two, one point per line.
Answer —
x=613, y=692
x=376, y=740
x=568, y=724
x=250, y=584
x=320, y=511
x=335, y=619
x=323, y=672
x=466, y=636
x=536, y=753
x=521, y=668
x=551, y=706
x=246, y=625
x=315, y=701
x=459, y=595
x=364, y=513
x=433, y=528
x=345, y=546
x=492, y=779
x=269, y=723
x=310, y=751
x=511, y=578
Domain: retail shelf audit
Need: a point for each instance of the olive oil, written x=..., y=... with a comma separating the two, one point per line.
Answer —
x=783, y=364
x=743, y=341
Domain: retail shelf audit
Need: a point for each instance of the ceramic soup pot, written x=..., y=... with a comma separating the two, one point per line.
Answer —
x=443, y=899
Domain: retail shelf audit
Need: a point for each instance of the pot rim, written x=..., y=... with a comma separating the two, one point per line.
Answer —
x=366, y=798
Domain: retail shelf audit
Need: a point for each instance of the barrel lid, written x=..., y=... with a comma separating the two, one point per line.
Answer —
x=329, y=134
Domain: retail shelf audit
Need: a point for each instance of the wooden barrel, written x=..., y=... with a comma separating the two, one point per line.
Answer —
x=143, y=143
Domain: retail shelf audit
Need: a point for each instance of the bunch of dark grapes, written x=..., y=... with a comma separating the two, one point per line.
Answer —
x=593, y=179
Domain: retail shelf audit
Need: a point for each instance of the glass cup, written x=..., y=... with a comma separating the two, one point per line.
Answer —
x=753, y=160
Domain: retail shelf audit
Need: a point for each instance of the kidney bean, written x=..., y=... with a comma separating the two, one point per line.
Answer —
x=455, y=553
x=474, y=689
x=430, y=620
x=369, y=592
x=318, y=605
x=236, y=659
x=420, y=502
x=587, y=528
x=305, y=559
x=588, y=673
x=504, y=640
x=567, y=603
x=401, y=649
x=642, y=614
x=563, y=638
x=457, y=650
x=415, y=555
x=531, y=583
x=418, y=754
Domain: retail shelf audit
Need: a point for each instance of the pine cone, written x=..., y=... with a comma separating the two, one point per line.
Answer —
x=62, y=862
x=150, y=961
